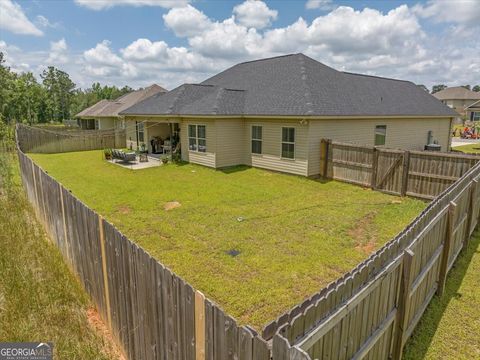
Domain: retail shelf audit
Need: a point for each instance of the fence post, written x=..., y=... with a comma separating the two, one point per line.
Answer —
x=104, y=270
x=324, y=145
x=403, y=301
x=473, y=187
x=65, y=236
x=199, y=326
x=406, y=166
x=442, y=277
x=35, y=188
x=374, y=168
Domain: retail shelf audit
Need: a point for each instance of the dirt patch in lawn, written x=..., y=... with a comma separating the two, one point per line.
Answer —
x=171, y=205
x=110, y=347
x=124, y=209
x=365, y=240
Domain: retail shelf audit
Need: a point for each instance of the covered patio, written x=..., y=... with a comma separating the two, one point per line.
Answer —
x=157, y=138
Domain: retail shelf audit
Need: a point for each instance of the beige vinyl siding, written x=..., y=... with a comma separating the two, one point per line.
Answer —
x=230, y=142
x=401, y=133
x=106, y=123
x=203, y=158
x=272, y=147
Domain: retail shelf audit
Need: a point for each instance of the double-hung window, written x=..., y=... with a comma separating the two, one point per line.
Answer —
x=256, y=139
x=197, y=138
x=475, y=116
x=380, y=134
x=140, y=132
x=288, y=143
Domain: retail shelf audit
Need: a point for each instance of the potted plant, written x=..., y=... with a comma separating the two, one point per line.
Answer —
x=108, y=154
x=165, y=159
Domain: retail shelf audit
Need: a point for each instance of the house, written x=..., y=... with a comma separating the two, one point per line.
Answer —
x=465, y=102
x=104, y=114
x=272, y=113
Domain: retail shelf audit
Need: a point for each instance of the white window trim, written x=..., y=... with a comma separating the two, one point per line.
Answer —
x=196, y=138
x=288, y=142
x=251, y=140
x=375, y=134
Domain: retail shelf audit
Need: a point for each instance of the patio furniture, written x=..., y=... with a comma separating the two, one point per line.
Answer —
x=167, y=147
x=142, y=157
x=123, y=156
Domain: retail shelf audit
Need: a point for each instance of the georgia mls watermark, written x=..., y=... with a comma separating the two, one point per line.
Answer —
x=26, y=351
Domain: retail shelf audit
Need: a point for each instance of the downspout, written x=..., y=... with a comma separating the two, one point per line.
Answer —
x=136, y=132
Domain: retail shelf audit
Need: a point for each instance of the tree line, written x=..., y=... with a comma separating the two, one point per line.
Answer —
x=54, y=98
x=440, y=87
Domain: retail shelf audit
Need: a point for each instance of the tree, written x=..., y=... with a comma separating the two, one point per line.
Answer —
x=437, y=88
x=59, y=93
x=476, y=88
x=466, y=87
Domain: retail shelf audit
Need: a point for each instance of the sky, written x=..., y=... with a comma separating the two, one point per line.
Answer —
x=171, y=42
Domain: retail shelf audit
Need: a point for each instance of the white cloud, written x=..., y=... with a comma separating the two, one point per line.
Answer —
x=12, y=18
x=254, y=13
x=391, y=44
x=42, y=21
x=461, y=12
x=186, y=21
x=107, y=4
x=58, y=52
x=320, y=4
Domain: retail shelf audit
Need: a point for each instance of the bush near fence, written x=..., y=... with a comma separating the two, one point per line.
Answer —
x=39, y=140
x=370, y=311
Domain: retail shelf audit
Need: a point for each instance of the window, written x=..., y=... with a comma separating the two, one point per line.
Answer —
x=256, y=139
x=140, y=132
x=380, y=134
x=288, y=143
x=475, y=116
x=197, y=138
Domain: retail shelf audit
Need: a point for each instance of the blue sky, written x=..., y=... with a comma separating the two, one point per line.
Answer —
x=137, y=42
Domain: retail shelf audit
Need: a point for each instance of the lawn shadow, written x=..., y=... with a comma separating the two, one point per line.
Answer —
x=425, y=331
x=234, y=169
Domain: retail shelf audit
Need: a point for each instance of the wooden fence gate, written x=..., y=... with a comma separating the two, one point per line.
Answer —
x=389, y=169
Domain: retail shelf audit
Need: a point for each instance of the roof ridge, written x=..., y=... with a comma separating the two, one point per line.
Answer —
x=269, y=58
x=175, y=99
x=217, y=100
x=374, y=76
x=304, y=77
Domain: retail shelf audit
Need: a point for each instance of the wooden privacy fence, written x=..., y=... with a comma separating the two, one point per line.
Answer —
x=38, y=140
x=422, y=174
x=371, y=311
x=152, y=312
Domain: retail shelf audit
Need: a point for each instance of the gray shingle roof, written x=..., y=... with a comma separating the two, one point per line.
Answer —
x=457, y=93
x=294, y=85
x=111, y=108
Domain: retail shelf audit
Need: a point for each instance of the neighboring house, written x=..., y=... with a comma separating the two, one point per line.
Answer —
x=462, y=101
x=272, y=113
x=104, y=114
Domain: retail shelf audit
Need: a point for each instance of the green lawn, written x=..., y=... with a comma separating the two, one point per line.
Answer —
x=450, y=328
x=294, y=235
x=40, y=299
x=469, y=149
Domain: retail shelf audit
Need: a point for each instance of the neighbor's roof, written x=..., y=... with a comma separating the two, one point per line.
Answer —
x=293, y=85
x=457, y=93
x=107, y=108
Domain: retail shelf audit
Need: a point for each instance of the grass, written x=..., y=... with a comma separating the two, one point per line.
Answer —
x=294, y=235
x=469, y=149
x=40, y=300
x=450, y=328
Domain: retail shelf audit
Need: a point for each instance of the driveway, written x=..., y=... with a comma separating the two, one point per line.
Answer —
x=459, y=141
